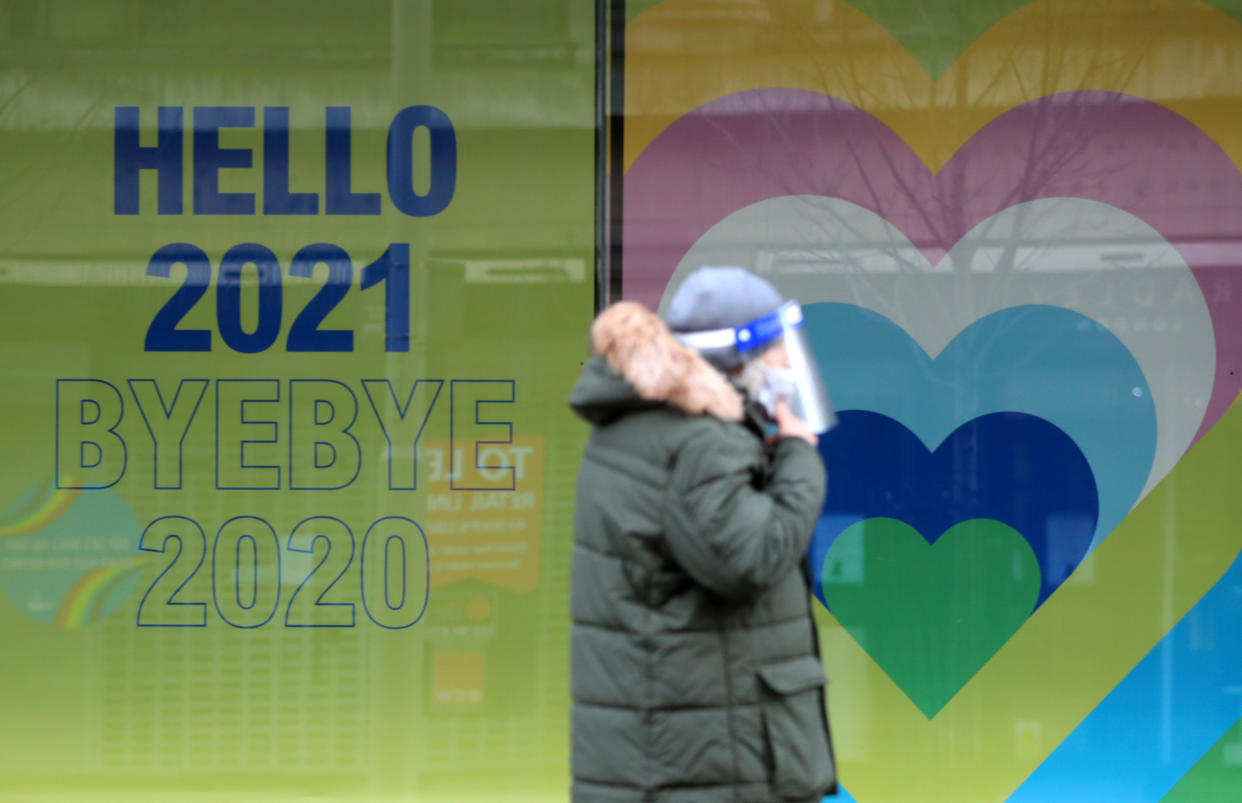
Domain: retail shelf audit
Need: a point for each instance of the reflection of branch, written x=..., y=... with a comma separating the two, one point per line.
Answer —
x=14, y=180
x=33, y=167
x=1044, y=164
x=1051, y=151
x=17, y=93
x=892, y=247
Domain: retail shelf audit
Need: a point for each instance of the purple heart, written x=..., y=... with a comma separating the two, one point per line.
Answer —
x=768, y=143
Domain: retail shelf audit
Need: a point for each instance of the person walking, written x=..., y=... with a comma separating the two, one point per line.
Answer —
x=694, y=659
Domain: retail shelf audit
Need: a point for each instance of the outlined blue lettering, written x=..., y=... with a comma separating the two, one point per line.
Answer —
x=234, y=398
x=87, y=414
x=377, y=573
x=402, y=429
x=325, y=410
x=191, y=542
x=314, y=611
x=466, y=400
x=227, y=562
x=169, y=428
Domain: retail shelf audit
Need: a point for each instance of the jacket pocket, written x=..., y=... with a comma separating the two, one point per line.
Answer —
x=796, y=726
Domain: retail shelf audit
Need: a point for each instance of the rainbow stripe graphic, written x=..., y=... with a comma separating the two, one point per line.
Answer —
x=85, y=602
x=42, y=509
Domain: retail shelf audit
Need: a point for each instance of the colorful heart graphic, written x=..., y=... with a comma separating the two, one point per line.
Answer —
x=935, y=32
x=764, y=144
x=1048, y=362
x=944, y=27
x=1206, y=649
x=1153, y=308
x=931, y=636
x=981, y=167
x=996, y=254
x=1011, y=468
x=1006, y=469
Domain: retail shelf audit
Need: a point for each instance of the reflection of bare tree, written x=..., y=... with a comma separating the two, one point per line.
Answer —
x=1016, y=119
x=1063, y=123
x=1051, y=147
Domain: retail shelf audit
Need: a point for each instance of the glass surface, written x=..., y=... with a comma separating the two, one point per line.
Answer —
x=292, y=295
x=1016, y=230
x=244, y=248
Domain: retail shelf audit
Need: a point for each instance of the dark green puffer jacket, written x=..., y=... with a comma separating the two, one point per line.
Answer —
x=694, y=659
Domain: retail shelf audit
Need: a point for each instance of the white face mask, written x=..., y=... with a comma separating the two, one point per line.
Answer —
x=797, y=382
x=779, y=384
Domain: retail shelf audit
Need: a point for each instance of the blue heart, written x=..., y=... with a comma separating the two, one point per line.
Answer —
x=1008, y=467
x=1047, y=361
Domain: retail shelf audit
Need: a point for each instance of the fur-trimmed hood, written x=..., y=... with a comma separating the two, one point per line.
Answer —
x=639, y=363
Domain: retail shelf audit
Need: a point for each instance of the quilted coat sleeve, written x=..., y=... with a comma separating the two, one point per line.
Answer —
x=733, y=537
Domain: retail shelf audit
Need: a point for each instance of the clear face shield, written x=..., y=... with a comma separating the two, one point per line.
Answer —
x=789, y=370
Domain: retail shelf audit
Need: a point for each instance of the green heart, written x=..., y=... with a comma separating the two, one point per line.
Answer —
x=931, y=615
x=934, y=31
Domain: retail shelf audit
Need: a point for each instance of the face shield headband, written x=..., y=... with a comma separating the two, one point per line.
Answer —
x=798, y=383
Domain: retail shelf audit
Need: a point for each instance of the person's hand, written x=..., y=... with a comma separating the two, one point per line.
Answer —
x=789, y=425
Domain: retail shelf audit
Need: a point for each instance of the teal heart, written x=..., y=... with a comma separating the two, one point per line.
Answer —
x=931, y=615
x=935, y=32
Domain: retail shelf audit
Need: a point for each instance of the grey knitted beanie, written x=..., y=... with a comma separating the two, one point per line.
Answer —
x=719, y=298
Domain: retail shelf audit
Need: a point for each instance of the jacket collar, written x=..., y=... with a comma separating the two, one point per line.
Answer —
x=641, y=349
